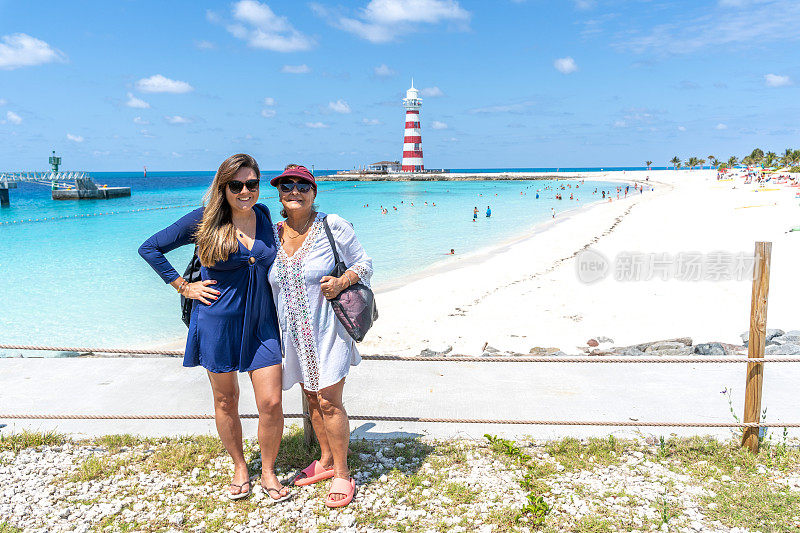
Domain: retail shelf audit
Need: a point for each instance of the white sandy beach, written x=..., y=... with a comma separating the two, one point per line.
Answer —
x=527, y=293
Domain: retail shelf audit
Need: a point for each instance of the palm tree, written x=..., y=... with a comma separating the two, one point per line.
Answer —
x=770, y=158
x=733, y=161
x=692, y=162
x=647, y=164
x=701, y=162
x=676, y=162
x=757, y=156
x=713, y=161
x=786, y=158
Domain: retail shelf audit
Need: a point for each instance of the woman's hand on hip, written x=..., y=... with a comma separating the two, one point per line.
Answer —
x=200, y=290
x=331, y=286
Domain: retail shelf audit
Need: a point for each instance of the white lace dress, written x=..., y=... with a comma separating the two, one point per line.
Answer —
x=317, y=350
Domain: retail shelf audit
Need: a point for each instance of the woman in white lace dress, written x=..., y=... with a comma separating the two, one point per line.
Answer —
x=318, y=352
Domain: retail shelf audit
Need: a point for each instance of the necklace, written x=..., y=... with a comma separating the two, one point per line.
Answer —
x=299, y=233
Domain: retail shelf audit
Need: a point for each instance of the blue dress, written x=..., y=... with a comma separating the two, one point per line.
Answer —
x=238, y=331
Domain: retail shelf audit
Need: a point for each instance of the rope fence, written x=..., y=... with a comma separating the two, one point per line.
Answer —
x=623, y=423
x=456, y=358
x=751, y=421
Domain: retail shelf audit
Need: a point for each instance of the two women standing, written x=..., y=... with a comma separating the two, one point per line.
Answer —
x=263, y=291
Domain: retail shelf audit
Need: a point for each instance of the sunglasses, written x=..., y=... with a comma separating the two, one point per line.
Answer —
x=237, y=186
x=289, y=186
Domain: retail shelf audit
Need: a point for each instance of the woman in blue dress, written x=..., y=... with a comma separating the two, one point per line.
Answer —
x=234, y=326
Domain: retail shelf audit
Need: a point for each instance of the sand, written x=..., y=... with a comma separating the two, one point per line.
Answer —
x=527, y=293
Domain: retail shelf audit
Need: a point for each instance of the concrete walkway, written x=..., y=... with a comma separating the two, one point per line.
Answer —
x=644, y=392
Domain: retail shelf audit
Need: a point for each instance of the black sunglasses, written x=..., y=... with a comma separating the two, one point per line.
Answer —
x=289, y=186
x=237, y=186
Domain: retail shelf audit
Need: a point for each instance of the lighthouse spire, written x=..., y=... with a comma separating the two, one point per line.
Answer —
x=412, y=141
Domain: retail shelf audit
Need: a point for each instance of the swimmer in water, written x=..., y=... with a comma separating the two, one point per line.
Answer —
x=488, y=211
x=475, y=214
x=452, y=252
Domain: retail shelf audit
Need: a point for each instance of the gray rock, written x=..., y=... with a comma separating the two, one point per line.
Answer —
x=427, y=352
x=490, y=349
x=630, y=351
x=787, y=339
x=602, y=339
x=771, y=334
x=664, y=345
x=538, y=350
x=668, y=352
x=783, y=349
x=709, y=348
x=686, y=341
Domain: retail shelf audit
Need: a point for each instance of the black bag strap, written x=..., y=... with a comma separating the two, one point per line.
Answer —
x=330, y=239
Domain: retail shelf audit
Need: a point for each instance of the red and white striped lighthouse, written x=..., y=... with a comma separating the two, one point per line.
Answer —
x=412, y=141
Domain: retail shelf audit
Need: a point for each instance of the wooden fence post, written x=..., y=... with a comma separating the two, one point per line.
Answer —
x=309, y=437
x=755, y=347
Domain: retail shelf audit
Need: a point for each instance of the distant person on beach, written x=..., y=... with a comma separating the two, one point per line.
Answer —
x=553, y=211
x=475, y=214
x=318, y=350
x=233, y=326
x=488, y=211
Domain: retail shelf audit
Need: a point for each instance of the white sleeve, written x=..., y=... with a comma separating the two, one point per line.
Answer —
x=351, y=251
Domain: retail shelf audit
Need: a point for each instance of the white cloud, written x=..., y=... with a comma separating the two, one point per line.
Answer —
x=721, y=126
x=383, y=21
x=508, y=108
x=296, y=69
x=176, y=154
x=316, y=125
x=743, y=28
x=21, y=50
x=146, y=133
x=339, y=106
x=13, y=118
x=584, y=5
x=161, y=84
x=141, y=121
x=177, y=119
x=431, y=92
x=267, y=113
x=260, y=27
x=136, y=102
x=681, y=128
x=269, y=101
x=565, y=65
x=205, y=45
x=74, y=138
x=620, y=124
x=439, y=125
x=775, y=80
x=370, y=121
x=384, y=72
x=3, y=101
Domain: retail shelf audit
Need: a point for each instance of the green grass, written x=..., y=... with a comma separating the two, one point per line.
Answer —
x=30, y=439
x=576, y=455
x=96, y=468
x=184, y=454
x=5, y=527
x=115, y=442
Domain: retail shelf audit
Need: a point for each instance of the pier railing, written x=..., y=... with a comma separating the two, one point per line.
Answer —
x=751, y=421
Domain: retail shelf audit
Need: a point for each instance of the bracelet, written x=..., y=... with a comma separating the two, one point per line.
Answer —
x=349, y=279
x=182, y=286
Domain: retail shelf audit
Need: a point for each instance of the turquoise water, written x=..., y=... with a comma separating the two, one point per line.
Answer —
x=77, y=279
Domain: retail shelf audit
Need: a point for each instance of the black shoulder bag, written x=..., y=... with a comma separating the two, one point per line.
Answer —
x=191, y=275
x=355, y=306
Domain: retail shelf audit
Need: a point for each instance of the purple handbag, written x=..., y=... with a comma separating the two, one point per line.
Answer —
x=354, y=306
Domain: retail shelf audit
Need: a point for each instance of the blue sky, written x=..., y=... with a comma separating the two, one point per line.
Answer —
x=182, y=85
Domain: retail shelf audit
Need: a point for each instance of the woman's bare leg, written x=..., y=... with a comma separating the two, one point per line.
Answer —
x=326, y=457
x=337, y=429
x=225, y=387
x=267, y=388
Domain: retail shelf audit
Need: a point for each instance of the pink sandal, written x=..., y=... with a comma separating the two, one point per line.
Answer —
x=314, y=473
x=341, y=486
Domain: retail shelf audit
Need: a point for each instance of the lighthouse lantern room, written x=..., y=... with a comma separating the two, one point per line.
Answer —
x=412, y=141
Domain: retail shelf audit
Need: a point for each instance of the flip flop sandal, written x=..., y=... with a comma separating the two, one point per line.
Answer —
x=314, y=473
x=280, y=498
x=241, y=494
x=341, y=486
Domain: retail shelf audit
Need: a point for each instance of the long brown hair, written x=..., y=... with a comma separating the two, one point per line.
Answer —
x=215, y=236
